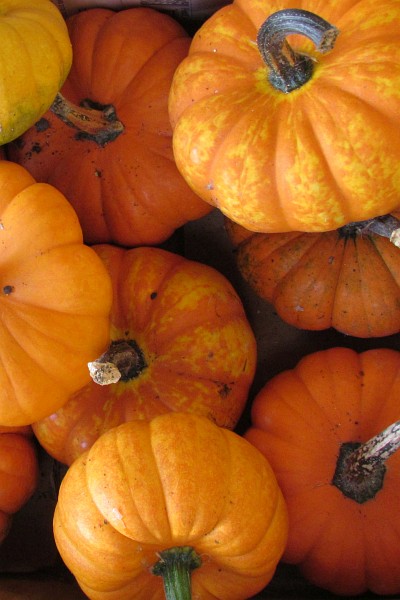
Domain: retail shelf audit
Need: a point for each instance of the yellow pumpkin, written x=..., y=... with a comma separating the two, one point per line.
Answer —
x=36, y=56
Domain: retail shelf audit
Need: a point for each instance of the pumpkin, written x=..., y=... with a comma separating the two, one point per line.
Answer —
x=176, y=489
x=348, y=279
x=284, y=112
x=35, y=61
x=110, y=128
x=330, y=429
x=55, y=298
x=180, y=340
x=19, y=476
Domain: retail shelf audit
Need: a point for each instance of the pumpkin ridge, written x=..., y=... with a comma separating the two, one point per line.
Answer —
x=318, y=139
x=121, y=451
x=309, y=252
x=363, y=292
x=376, y=244
x=388, y=387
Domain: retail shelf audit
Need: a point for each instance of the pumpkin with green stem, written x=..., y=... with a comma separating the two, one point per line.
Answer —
x=176, y=499
x=284, y=112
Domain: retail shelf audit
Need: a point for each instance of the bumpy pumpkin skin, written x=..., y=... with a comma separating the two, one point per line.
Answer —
x=35, y=61
x=311, y=160
x=19, y=474
x=55, y=299
x=195, y=340
x=320, y=280
x=177, y=480
x=299, y=421
x=126, y=191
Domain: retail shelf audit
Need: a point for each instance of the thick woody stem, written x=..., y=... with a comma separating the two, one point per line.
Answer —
x=360, y=468
x=93, y=121
x=376, y=451
x=289, y=69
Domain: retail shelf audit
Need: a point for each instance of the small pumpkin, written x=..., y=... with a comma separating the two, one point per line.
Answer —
x=19, y=476
x=110, y=128
x=36, y=57
x=55, y=299
x=284, y=118
x=348, y=279
x=178, y=489
x=180, y=340
x=330, y=429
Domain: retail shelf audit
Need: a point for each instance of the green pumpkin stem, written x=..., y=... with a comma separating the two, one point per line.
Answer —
x=175, y=566
x=289, y=70
x=93, y=121
x=361, y=469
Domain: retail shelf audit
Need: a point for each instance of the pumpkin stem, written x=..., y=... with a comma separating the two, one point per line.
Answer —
x=175, y=566
x=93, y=121
x=289, y=69
x=361, y=469
x=123, y=361
x=386, y=226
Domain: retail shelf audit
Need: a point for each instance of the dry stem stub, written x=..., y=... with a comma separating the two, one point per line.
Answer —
x=360, y=468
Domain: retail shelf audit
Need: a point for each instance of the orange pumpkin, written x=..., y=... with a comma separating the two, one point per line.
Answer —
x=326, y=429
x=55, y=298
x=348, y=279
x=19, y=475
x=181, y=340
x=178, y=488
x=106, y=143
x=292, y=134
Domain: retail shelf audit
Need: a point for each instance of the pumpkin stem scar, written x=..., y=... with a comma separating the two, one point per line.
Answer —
x=289, y=70
x=123, y=360
x=360, y=468
x=175, y=566
x=93, y=121
x=386, y=226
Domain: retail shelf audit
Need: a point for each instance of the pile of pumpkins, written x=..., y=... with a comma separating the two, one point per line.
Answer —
x=133, y=365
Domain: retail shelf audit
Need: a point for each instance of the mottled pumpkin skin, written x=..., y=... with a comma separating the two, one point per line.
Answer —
x=19, y=474
x=178, y=480
x=197, y=344
x=55, y=299
x=35, y=60
x=300, y=418
x=320, y=280
x=127, y=191
x=311, y=160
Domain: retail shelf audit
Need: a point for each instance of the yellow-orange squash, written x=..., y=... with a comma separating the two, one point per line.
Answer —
x=283, y=133
x=181, y=340
x=19, y=474
x=106, y=143
x=330, y=429
x=36, y=56
x=55, y=299
x=177, y=487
